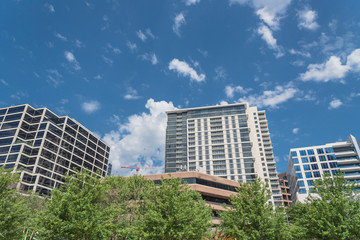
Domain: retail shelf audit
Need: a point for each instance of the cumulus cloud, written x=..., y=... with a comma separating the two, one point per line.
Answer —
x=230, y=90
x=267, y=36
x=131, y=94
x=90, y=106
x=191, y=2
x=332, y=69
x=184, y=69
x=295, y=130
x=271, y=98
x=151, y=57
x=179, y=20
x=307, y=19
x=140, y=138
x=335, y=103
x=72, y=60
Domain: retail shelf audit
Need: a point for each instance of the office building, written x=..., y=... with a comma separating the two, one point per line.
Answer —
x=230, y=141
x=45, y=147
x=214, y=190
x=307, y=164
x=285, y=190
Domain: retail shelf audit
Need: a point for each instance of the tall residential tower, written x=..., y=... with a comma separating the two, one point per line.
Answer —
x=230, y=141
x=45, y=147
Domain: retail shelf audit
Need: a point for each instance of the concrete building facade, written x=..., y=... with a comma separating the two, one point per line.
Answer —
x=306, y=164
x=45, y=147
x=285, y=189
x=230, y=141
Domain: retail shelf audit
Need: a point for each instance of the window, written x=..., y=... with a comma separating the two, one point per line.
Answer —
x=314, y=166
x=297, y=168
x=316, y=174
x=320, y=151
x=302, y=191
x=306, y=167
x=301, y=183
x=310, y=182
x=295, y=161
x=308, y=175
x=312, y=159
x=304, y=160
x=302, y=153
x=331, y=157
x=322, y=158
x=329, y=150
x=310, y=152
x=333, y=165
x=324, y=165
x=299, y=176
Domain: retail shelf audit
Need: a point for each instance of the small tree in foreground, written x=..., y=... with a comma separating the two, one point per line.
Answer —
x=173, y=211
x=331, y=212
x=250, y=216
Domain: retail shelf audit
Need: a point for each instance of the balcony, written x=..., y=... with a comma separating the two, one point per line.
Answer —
x=345, y=154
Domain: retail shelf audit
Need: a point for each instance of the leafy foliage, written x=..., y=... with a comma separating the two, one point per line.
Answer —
x=173, y=211
x=251, y=216
x=331, y=212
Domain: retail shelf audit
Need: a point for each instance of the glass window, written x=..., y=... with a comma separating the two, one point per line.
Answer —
x=335, y=172
x=327, y=172
x=316, y=174
x=324, y=165
x=308, y=175
x=302, y=191
x=295, y=161
x=4, y=150
x=2, y=111
x=333, y=164
x=299, y=176
x=301, y=183
x=331, y=157
x=42, y=126
x=314, y=166
x=12, y=158
x=329, y=150
x=15, y=148
x=322, y=158
x=310, y=182
x=306, y=167
x=320, y=151
x=6, y=141
x=304, y=160
x=16, y=109
x=312, y=159
x=293, y=154
x=13, y=117
x=310, y=152
x=297, y=168
x=302, y=153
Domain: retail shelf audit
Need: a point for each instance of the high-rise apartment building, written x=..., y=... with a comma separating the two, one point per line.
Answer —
x=307, y=164
x=45, y=147
x=230, y=141
x=285, y=189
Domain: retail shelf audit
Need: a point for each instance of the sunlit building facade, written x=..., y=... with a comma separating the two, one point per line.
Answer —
x=230, y=141
x=45, y=147
x=307, y=164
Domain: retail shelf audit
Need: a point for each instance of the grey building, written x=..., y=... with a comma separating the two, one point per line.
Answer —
x=306, y=164
x=230, y=141
x=45, y=147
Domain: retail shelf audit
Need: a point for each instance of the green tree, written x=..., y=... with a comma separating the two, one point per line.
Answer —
x=76, y=211
x=250, y=215
x=332, y=211
x=13, y=210
x=173, y=211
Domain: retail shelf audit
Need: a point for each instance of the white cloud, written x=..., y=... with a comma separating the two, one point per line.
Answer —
x=295, y=130
x=54, y=77
x=78, y=43
x=140, y=138
x=184, y=69
x=131, y=94
x=179, y=20
x=191, y=2
x=149, y=33
x=61, y=37
x=335, y=103
x=98, y=77
x=271, y=98
x=19, y=95
x=151, y=57
x=114, y=49
x=353, y=60
x=300, y=53
x=230, y=90
x=72, y=60
x=324, y=72
x=107, y=60
x=4, y=82
x=141, y=35
x=268, y=17
x=90, y=106
x=50, y=7
x=131, y=46
x=307, y=19
x=220, y=73
x=267, y=36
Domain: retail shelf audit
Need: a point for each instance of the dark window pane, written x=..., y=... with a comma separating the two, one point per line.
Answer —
x=16, y=109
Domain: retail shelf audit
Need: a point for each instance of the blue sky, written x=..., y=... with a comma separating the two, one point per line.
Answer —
x=116, y=66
